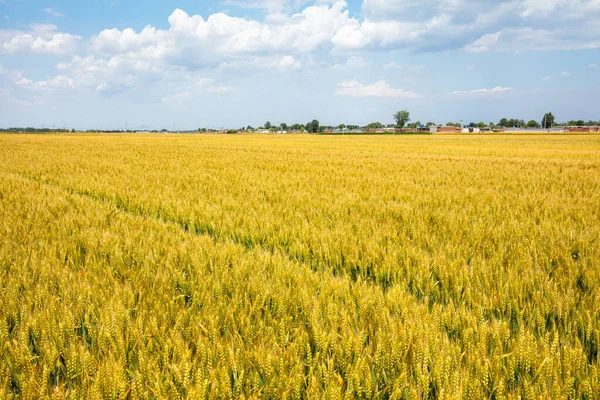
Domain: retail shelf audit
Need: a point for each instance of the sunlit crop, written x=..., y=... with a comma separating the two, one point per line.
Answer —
x=450, y=267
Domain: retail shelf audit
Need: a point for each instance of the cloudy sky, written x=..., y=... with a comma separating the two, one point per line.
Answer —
x=230, y=63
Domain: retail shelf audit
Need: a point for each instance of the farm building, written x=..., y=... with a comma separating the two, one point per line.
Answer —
x=581, y=129
x=444, y=129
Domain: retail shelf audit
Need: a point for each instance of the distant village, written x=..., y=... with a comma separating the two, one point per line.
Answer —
x=402, y=126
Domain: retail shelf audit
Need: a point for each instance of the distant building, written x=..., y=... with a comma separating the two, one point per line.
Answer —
x=444, y=129
x=581, y=129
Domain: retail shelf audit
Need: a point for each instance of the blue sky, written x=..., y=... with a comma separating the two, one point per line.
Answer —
x=230, y=63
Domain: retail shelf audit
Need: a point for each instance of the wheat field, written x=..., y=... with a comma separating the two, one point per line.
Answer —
x=215, y=266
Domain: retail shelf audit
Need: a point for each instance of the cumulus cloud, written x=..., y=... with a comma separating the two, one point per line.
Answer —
x=378, y=89
x=490, y=25
x=496, y=90
x=482, y=26
x=39, y=39
x=292, y=35
x=220, y=37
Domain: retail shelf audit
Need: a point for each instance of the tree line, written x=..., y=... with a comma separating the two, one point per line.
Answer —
x=401, y=119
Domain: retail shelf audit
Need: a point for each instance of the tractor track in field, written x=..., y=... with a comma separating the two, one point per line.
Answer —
x=198, y=228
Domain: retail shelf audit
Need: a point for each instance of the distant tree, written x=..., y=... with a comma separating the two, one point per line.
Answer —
x=296, y=127
x=492, y=125
x=402, y=117
x=341, y=126
x=450, y=124
x=73, y=130
x=249, y=128
x=503, y=123
x=268, y=125
x=284, y=126
x=313, y=126
x=481, y=125
x=374, y=125
x=273, y=129
x=548, y=120
x=472, y=125
x=533, y=124
x=430, y=124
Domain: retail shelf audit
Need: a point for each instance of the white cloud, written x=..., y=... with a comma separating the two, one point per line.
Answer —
x=53, y=12
x=478, y=26
x=592, y=67
x=270, y=5
x=282, y=63
x=562, y=75
x=485, y=43
x=187, y=55
x=40, y=39
x=496, y=90
x=197, y=42
x=288, y=62
x=583, y=35
x=57, y=82
x=123, y=73
x=378, y=89
x=191, y=39
x=530, y=8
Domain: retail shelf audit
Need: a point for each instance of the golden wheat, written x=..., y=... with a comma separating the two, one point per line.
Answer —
x=299, y=267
